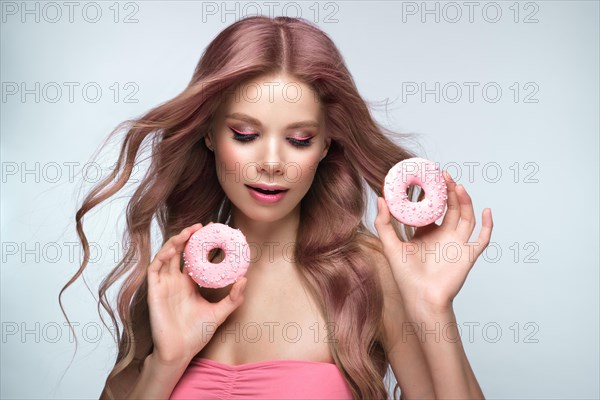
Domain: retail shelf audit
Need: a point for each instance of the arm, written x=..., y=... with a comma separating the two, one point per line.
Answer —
x=401, y=345
x=450, y=368
x=157, y=381
x=175, y=308
x=420, y=362
x=428, y=284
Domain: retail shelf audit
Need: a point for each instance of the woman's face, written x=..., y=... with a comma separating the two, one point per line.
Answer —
x=269, y=132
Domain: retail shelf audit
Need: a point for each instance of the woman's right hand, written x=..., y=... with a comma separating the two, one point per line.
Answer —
x=181, y=320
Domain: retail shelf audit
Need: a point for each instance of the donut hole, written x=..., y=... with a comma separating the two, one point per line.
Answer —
x=417, y=192
x=216, y=255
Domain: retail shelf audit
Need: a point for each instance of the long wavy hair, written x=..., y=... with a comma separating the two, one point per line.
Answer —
x=180, y=187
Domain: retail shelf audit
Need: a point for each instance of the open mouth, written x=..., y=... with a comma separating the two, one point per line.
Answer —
x=266, y=191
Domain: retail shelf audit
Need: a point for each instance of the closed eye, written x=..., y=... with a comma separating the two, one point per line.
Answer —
x=300, y=143
x=243, y=136
x=249, y=136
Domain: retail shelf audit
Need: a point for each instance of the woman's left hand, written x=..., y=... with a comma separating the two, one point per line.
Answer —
x=431, y=269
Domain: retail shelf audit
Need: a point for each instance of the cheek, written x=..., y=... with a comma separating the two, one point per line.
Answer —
x=303, y=170
x=229, y=153
x=234, y=165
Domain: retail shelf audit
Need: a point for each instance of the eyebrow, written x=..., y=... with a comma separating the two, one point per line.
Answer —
x=247, y=118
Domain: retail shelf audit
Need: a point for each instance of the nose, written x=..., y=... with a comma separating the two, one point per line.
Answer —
x=271, y=167
x=270, y=161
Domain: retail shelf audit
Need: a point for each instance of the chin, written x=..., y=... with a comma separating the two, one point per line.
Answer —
x=265, y=214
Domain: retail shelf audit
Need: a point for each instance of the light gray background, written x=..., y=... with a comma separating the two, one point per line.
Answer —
x=528, y=313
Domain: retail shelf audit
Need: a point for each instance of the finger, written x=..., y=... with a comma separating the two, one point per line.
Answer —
x=452, y=215
x=487, y=224
x=232, y=301
x=178, y=242
x=175, y=263
x=467, y=215
x=383, y=224
x=160, y=259
x=180, y=239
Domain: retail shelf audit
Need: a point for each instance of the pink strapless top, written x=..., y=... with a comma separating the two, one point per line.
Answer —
x=276, y=379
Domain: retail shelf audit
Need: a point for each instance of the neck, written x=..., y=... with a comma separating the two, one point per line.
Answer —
x=269, y=241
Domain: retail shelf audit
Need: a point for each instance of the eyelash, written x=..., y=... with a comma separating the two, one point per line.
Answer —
x=244, y=138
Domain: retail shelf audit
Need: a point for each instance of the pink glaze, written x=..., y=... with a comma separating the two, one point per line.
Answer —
x=212, y=236
x=421, y=172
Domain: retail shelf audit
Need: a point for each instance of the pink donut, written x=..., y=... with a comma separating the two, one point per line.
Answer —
x=421, y=172
x=209, y=237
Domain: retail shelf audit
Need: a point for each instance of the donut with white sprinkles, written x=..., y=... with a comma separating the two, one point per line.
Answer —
x=216, y=275
x=421, y=172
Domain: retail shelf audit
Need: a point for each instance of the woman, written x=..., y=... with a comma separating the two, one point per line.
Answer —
x=272, y=103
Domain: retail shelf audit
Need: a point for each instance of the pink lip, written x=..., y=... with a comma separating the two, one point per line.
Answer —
x=268, y=187
x=266, y=198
